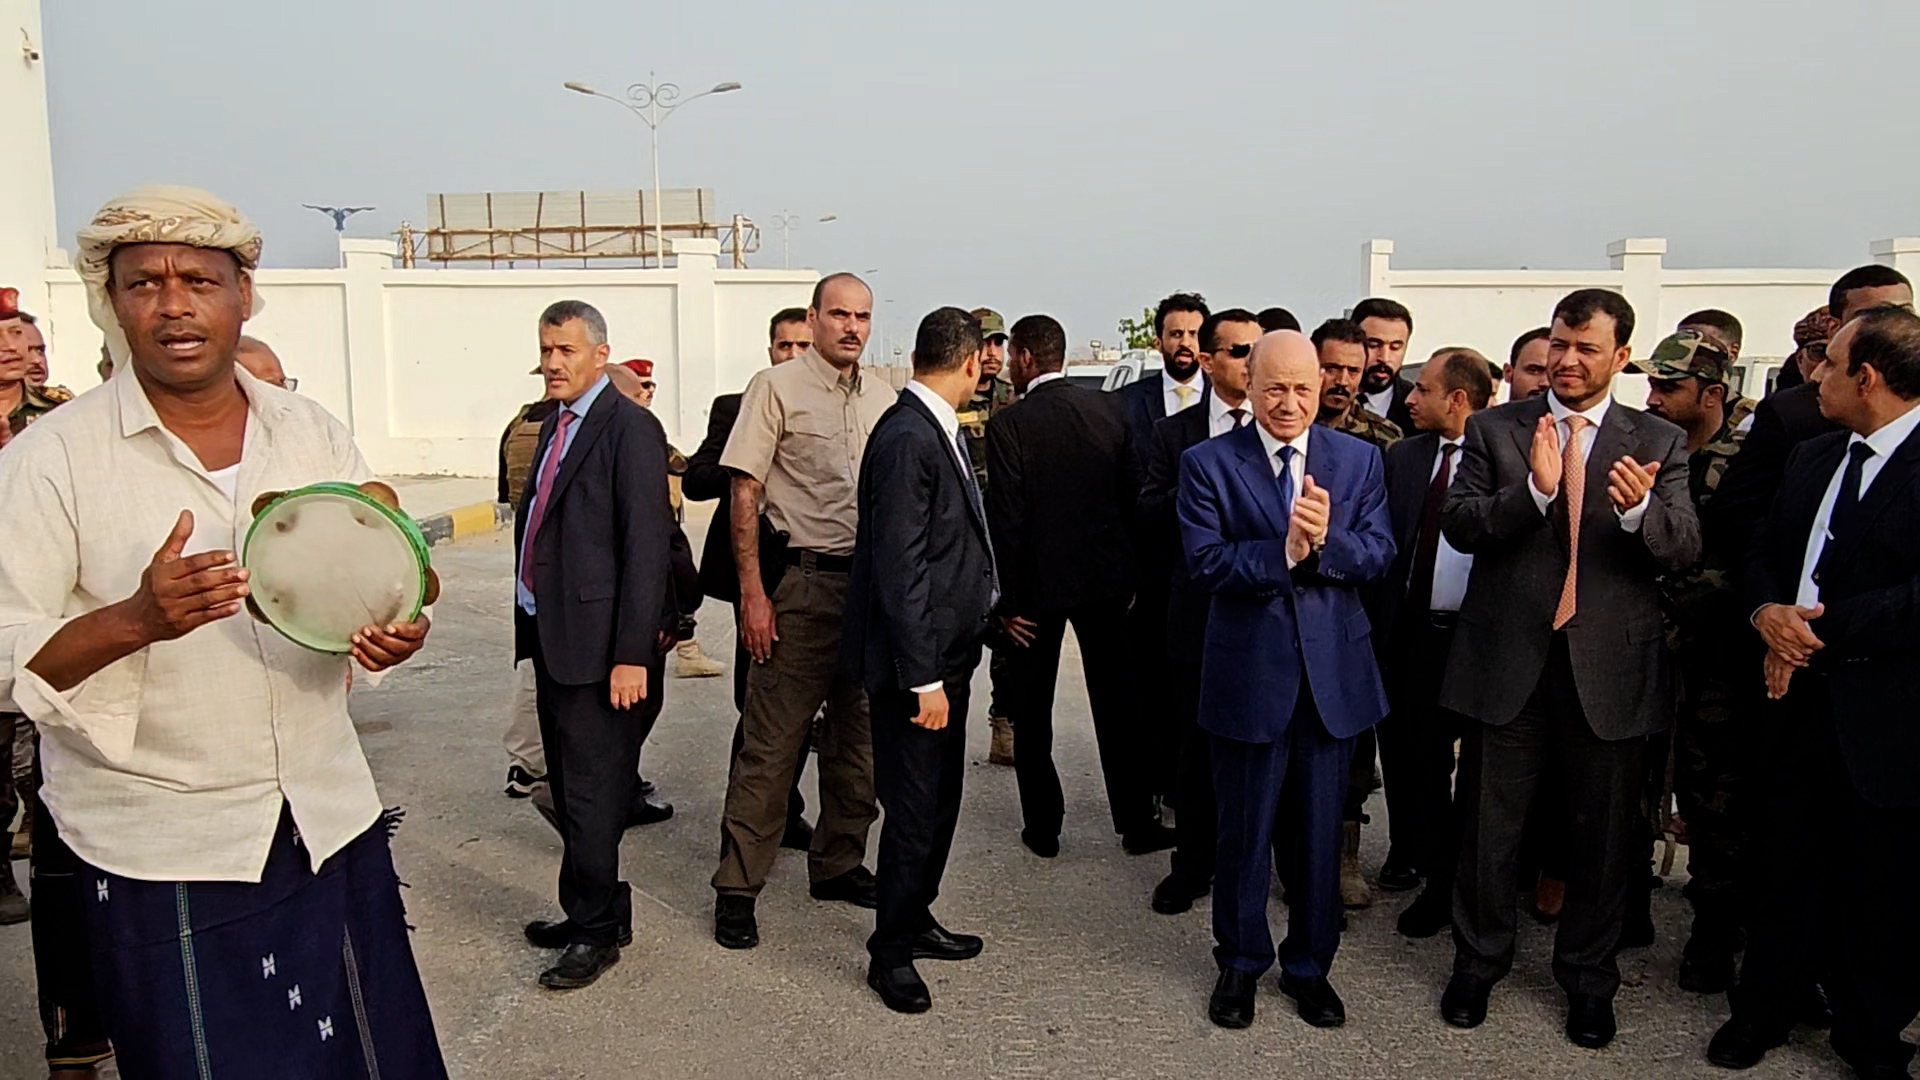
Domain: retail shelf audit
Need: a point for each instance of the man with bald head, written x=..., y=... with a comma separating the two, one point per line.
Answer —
x=1283, y=523
x=262, y=363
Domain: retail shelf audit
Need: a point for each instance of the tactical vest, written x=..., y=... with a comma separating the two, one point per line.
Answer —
x=521, y=442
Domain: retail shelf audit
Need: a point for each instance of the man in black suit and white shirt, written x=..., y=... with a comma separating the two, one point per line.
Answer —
x=1388, y=326
x=1226, y=342
x=1834, y=581
x=1063, y=481
x=591, y=591
x=1572, y=506
x=1417, y=608
x=918, y=609
x=1177, y=386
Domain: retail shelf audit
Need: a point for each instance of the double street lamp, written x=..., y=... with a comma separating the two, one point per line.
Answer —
x=653, y=101
x=786, y=223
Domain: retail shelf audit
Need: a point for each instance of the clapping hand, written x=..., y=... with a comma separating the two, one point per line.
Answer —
x=1544, y=458
x=1629, y=481
x=1307, y=527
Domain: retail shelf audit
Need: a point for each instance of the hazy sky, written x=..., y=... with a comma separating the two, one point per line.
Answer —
x=1080, y=159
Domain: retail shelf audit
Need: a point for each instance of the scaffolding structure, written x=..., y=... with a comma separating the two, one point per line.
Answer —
x=538, y=226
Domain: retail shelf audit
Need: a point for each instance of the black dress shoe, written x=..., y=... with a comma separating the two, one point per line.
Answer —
x=1590, y=1020
x=856, y=887
x=648, y=811
x=734, y=926
x=1430, y=913
x=1464, y=1005
x=1148, y=839
x=1867, y=1068
x=1706, y=968
x=580, y=966
x=901, y=988
x=1044, y=846
x=546, y=934
x=1815, y=1011
x=1741, y=1042
x=799, y=835
x=939, y=943
x=1314, y=997
x=1231, y=1005
x=1638, y=932
x=1175, y=894
x=1398, y=877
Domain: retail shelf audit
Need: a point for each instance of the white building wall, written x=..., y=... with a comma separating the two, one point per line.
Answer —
x=26, y=171
x=427, y=365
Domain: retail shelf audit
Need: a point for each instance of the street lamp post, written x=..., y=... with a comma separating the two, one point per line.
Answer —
x=653, y=101
x=786, y=223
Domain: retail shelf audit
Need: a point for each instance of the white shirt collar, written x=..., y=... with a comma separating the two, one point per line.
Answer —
x=1045, y=377
x=1888, y=438
x=1459, y=440
x=1272, y=444
x=1217, y=409
x=943, y=413
x=1594, y=414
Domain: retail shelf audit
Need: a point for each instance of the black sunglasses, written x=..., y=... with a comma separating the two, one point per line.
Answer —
x=1238, y=352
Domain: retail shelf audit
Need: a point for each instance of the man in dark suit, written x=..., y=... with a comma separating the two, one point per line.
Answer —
x=1417, y=608
x=918, y=610
x=1284, y=523
x=1388, y=326
x=1063, y=481
x=1226, y=342
x=1571, y=505
x=592, y=598
x=1787, y=418
x=1833, y=577
x=787, y=337
x=1178, y=386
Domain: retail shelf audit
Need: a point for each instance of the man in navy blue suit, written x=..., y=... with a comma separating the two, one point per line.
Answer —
x=1283, y=523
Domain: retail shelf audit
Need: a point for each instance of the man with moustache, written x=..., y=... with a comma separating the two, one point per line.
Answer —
x=796, y=452
x=1226, y=342
x=1284, y=522
x=1572, y=505
x=1526, y=372
x=1177, y=385
x=1343, y=350
x=918, y=607
x=1386, y=326
x=1810, y=337
x=1417, y=608
x=992, y=394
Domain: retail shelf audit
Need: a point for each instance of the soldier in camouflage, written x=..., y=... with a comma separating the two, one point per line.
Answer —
x=993, y=394
x=1689, y=377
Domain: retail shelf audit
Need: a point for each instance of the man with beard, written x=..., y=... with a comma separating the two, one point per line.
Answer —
x=991, y=395
x=1688, y=376
x=1387, y=326
x=1810, y=337
x=1178, y=385
x=1526, y=374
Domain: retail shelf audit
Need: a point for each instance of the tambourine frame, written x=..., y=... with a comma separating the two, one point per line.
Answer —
x=416, y=541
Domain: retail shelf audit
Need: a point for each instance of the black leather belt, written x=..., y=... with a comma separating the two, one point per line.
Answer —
x=810, y=561
x=1444, y=620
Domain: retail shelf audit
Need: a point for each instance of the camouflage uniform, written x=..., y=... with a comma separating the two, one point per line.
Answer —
x=34, y=404
x=1718, y=669
x=973, y=425
x=1363, y=423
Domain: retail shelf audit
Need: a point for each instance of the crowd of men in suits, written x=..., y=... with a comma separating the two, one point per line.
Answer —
x=1270, y=550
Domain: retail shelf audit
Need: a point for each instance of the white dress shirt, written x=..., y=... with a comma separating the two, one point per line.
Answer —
x=1296, y=468
x=1220, y=415
x=1381, y=402
x=949, y=422
x=1170, y=391
x=1043, y=378
x=172, y=763
x=1884, y=443
x=1450, y=567
x=1629, y=520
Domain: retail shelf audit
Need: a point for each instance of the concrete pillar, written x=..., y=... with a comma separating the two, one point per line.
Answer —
x=1901, y=252
x=696, y=342
x=1376, y=258
x=1639, y=260
x=27, y=239
x=367, y=264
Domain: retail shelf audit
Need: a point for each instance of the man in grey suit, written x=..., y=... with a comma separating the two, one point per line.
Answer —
x=1572, y=505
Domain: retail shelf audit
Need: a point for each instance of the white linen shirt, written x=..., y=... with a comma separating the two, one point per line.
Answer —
x=171, y=764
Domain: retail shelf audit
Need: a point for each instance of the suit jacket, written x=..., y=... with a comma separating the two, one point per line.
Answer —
x=1869, y=582
x=1617, y=639
x=1271, y=628
x=1782, y=421
x=1398, y=412
x=1062, y=488
x=601, y=558
x=921, y=591
x=707, y=479
x=1159, y=528
x=1409, y=470
x=1145, y=402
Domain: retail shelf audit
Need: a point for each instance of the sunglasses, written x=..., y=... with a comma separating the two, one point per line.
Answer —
x=1238, y=352
x=647, y=385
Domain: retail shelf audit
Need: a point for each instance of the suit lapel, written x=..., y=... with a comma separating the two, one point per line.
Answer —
x=592, y=426
x=1525, y=419
x=1257, y=476
x=1610, y=444
x=1888, y=484
x=1324, y=465
x=1411, y=497
x=919, y=408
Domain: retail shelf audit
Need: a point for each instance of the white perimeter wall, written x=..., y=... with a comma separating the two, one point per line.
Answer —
x=1487, y=309
x=426, y=366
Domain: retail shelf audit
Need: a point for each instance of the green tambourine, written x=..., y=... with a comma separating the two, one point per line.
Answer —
x=329, y=558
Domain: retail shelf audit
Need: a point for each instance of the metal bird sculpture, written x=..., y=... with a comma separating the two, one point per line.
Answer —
x=340, y=214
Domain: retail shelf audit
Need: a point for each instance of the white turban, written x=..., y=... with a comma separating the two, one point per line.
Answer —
x=158, y=214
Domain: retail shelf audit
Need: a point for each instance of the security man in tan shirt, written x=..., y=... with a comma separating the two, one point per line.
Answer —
x=795, y=454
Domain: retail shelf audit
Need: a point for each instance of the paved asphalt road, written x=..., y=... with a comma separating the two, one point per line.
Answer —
x=1079, y=978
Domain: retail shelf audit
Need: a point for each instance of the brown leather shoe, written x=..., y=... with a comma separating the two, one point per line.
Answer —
x=1549, y=896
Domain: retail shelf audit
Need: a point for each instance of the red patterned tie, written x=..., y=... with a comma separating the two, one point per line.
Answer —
x=549, y=468
x=1573, y=487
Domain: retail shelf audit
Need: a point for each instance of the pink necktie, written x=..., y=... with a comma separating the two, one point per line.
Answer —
x=1573, y=487
x=549, y=468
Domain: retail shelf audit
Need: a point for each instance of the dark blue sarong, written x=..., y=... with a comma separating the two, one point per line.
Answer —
x=303, y=975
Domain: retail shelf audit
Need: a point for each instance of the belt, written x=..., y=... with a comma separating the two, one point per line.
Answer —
x=810, y=561
x=1443, y=620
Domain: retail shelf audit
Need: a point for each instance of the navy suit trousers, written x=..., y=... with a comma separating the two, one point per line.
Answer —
x=1310, y=766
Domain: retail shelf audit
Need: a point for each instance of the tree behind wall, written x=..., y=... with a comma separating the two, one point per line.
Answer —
x=1138, y=333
